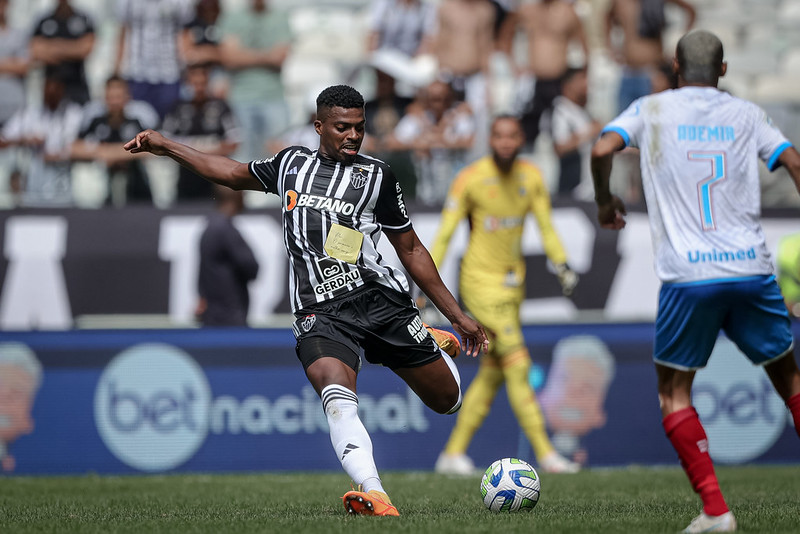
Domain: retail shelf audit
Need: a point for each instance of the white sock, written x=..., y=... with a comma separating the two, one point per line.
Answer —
x=349, y=438
x=453, y=369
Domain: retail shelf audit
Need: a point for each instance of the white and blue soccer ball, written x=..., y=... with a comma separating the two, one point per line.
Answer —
x=510, y=485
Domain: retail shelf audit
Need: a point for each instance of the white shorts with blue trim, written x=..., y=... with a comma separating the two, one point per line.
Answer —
x=750, y=311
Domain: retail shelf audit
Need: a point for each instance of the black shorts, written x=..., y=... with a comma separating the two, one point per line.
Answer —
x=382, y=322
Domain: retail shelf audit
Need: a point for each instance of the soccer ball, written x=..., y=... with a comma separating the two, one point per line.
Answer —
x=509, y=485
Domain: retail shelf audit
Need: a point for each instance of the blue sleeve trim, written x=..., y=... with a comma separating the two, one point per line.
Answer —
x=773, y=162
x=622, y=133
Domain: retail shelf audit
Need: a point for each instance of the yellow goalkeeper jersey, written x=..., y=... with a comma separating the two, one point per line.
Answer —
x=496, y=207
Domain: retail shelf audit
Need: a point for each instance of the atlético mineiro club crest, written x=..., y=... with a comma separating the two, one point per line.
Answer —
x=308, y=322
x=359, y=175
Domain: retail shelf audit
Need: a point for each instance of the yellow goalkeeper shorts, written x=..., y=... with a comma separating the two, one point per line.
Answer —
x=495, y=304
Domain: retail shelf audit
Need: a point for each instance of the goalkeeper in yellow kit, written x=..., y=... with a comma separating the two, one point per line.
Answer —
x=495, y=194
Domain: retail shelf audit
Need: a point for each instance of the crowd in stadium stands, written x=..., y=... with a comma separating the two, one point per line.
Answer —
x=210, y=73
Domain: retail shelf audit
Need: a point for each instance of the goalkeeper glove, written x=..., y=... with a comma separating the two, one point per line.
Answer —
x=567, y=278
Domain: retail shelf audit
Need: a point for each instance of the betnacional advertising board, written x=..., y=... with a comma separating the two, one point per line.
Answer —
x=154, y=401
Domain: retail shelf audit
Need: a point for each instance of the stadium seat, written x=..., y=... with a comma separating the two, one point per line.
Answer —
x=789, y=63
x=788, y=14
x=777, y=89
x=89, y=184
x=301, y=73
x=751, y=62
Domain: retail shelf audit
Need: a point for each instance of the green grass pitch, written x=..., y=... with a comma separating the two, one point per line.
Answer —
x=635, y=500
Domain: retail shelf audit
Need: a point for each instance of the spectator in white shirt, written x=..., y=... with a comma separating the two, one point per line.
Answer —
x=440, y=131
x=46, y=132
x=147, y=54
x=574, y=131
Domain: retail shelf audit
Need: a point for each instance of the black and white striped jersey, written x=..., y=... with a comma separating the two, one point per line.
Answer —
x=318, y=193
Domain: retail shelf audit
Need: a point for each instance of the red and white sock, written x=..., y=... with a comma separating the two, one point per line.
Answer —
x=687, y=435
x=794, y=406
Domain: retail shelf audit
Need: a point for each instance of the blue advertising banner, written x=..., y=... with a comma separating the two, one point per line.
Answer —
x=237, y=399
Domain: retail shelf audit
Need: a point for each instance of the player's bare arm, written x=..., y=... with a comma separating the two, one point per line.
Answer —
x=419, y=264
x=216, y=169
x=610, y=208
x=790, y=159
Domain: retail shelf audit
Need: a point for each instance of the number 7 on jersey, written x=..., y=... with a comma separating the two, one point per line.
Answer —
x=705, y=186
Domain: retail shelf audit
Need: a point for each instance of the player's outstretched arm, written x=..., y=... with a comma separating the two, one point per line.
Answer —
x=610, y=208
x=790, y=159
x=217, y=169
x=419, y=264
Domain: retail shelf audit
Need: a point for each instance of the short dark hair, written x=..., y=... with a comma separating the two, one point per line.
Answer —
x=505, y=116
x=342, y=96
x=570, y=73
x=699, y=54
x=116, y=78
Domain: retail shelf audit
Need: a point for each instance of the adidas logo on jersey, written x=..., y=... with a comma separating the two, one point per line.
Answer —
x=293, y=170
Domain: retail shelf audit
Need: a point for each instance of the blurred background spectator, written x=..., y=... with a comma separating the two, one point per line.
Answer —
x=574, y=131
x=405, y=26
x=439, y=130
x=301, y=134
x=45, y=131
x=384, y=110
x=227, y=265
x=256, y=41
x=401, y=42
x=13, y=69
x=203, y=122
x=269, y=55
x=548, y=27
x=13, y=65
x=147, y=51
x=464, y=45
x=102, y=137
x=383, y=113
x=639, y=47
x=200, y=39
x=663, y=77
x=62, y=40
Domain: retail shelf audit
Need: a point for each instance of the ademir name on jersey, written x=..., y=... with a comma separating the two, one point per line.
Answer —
x=721, y=256
x=698, y=132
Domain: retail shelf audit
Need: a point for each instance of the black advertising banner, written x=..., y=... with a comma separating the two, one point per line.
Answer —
x=59, y=267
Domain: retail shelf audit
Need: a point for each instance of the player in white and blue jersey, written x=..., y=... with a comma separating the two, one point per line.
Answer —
x=699, y=148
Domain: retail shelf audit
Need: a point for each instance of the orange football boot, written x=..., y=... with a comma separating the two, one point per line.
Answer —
x=447, y=341
x=369, y=503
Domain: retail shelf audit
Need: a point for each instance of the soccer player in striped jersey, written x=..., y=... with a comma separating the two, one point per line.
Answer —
x=699, y=148
x=345, y=296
